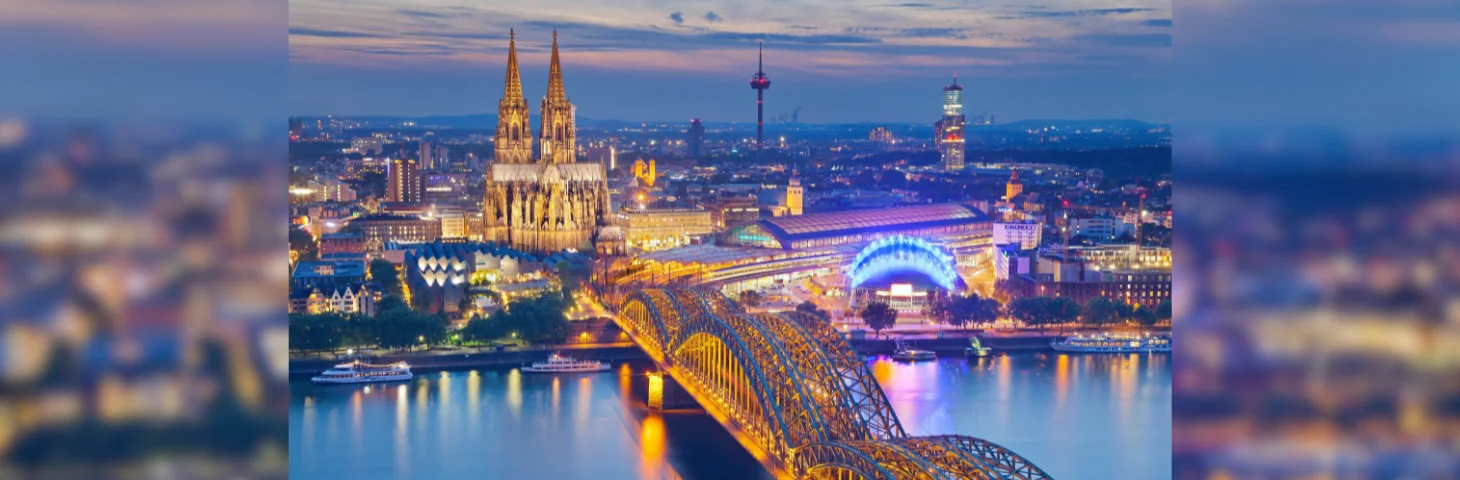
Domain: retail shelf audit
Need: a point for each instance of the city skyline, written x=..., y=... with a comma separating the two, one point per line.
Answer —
x=658, y=62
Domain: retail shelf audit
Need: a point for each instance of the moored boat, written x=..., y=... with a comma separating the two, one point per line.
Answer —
x=564, y=364
x=1113, y=343
x=361, y=372
x=910, y=354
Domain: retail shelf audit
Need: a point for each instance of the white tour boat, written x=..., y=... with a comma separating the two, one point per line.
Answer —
x=909, y=354
x=561, y=364
x=1113, y=343
x=360, y=372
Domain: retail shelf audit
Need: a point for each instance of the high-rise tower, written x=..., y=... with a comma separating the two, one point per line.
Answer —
x=514, y=129
x=760, y=83
x=696, y=138
x=950, y=127
x=557, y=117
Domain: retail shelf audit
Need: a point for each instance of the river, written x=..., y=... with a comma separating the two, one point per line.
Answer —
x=1076, y=416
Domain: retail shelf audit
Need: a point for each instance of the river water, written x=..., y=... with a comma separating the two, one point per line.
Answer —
x=1076, y=416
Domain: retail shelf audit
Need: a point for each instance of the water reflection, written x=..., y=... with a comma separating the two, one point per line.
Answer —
x=1077, y=416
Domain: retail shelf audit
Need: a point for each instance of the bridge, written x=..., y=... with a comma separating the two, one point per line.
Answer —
x=795, y=394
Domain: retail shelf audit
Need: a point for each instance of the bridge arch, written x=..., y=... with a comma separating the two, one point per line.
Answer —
x=904, y=253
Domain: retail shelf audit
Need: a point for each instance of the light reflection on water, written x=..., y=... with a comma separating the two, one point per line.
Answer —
x=1081, y=416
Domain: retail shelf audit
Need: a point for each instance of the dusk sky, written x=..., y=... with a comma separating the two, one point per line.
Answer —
x=840, y=60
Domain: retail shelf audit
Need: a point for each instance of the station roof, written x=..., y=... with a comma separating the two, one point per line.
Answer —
x=827, y=224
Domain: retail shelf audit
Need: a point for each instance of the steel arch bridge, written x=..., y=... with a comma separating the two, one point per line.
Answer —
x=793, y=391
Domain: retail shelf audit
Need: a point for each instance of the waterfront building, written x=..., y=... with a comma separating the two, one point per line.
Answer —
x=550, y=205
x=445, y=272
x=351, y=299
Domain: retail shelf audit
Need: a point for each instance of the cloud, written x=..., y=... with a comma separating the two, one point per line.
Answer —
x=422, y=14
x=1084, y=13
x=1158, y=22
x=677, y=17
x=954, y=33
x=1126, y=40
x=315, y=32
x=712, y=17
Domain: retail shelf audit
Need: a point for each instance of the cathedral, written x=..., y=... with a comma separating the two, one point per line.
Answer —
x=551, y=203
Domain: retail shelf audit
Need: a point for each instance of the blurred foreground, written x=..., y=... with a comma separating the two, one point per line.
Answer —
x=143, y=331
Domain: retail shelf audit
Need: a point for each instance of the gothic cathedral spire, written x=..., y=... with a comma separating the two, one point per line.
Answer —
x=514, y=129
x=556, y=140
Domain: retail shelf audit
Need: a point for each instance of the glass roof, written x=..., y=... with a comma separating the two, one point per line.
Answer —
x=882, y=217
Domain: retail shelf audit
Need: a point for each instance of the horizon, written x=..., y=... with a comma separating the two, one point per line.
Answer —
x=1054, y=59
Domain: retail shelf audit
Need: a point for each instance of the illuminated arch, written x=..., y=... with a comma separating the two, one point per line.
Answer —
x=799, y=392
x=903, y=253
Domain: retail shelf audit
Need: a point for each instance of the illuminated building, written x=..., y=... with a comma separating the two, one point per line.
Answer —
x=381, y=228
x=696, y=138
x=731, y=210
x=783, y=201
x=1026, y=235
x=645, y=174
x=444, y=272
x=794, y=194
x=296, y=128
x=404, y=181
x=357, y=299
x=881, y=135
x=1140, y=276
x=453, y=224
x=550, y=205
x=949, y=130
x=659, y=228
x=950, y=223
x=367, y=146
x=760, y=83
x=341, y=243
x=1015, y=186
x=904, y=272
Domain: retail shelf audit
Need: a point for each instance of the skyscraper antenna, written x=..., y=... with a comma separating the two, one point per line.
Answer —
x=760, y=61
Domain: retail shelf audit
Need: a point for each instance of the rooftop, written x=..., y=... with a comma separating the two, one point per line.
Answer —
x=817, y=224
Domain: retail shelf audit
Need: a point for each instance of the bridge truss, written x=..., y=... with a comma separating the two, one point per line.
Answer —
x=795, y=393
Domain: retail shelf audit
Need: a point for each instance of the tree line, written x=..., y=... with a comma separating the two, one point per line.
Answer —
x=1041, y=312
x=395, y=326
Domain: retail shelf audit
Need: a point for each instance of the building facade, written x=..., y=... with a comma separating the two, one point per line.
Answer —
x=1026, y=235
x=696, y=138
x=949, y=130
x=555, y=203
x=381, y=228
x=404, y=181
x=659, y=228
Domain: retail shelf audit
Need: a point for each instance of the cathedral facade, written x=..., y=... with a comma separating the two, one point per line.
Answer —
x=551, y=203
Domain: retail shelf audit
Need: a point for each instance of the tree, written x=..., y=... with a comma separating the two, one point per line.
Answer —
x=1033, y=311
x=384, y=273
x=301, y=241
x=1163, y=310
x=878, y=316
x=486, y=329
x=1144, y=316
x=1101, y=311
x=751, y=298
x=1064, y=310
x=539, y=319
x=572, y=275
x=811, y=308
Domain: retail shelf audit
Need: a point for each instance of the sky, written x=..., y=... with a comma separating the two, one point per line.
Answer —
x=659, y=60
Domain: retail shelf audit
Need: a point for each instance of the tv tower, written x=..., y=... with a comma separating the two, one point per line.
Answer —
x=760, y=83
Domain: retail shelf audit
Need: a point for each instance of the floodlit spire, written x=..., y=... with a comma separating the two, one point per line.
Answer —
x=555, y=74
x=513, y=89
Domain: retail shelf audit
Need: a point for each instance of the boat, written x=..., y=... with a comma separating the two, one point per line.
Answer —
x=976, y=348
x=909, y=354
x=563, y=364
x=1113, y=343
x=361, y=372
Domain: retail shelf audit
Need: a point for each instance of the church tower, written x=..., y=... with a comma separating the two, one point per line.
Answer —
x=514, y=130
x=1015, y=187
x=557, y=117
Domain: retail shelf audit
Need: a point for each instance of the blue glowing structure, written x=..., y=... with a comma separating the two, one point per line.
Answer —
x=901, y=253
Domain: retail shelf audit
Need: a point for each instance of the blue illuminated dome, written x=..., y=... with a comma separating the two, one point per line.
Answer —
x=903, y=258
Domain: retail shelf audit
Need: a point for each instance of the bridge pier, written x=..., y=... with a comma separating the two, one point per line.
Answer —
x=666, y=394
